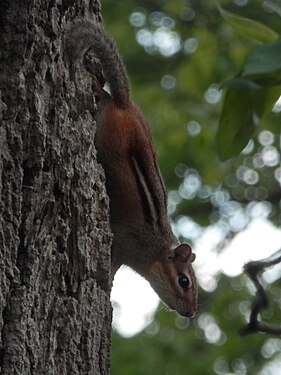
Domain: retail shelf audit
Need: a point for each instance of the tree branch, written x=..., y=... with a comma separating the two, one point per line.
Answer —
x=261, y=302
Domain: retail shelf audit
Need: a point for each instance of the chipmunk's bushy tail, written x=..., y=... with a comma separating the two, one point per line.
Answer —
x=84, y=35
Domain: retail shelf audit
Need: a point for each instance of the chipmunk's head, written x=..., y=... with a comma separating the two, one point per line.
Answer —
x=173, y=279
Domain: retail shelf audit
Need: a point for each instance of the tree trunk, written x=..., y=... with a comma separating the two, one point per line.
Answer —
x=54, y=233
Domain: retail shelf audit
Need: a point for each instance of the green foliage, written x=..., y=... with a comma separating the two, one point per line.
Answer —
x=249, y=96
x=184, y=114
x=250, y=28
x=179, y=89
x=208, y=344
x=264, y=60
x=244, y=105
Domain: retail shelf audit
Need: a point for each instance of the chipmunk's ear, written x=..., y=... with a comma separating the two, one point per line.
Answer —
x=183, y=253
x=192, y=257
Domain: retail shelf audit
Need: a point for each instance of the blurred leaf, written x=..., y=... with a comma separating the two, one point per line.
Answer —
x=250, y=28
x=240, y=83
x=265, y=59
x=236, y=124
x=241, y=114
x=260, y=82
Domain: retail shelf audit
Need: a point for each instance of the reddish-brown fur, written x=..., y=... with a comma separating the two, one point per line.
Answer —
x=143, y=238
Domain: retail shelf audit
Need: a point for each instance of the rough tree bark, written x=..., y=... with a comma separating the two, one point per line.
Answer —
x=54, y=235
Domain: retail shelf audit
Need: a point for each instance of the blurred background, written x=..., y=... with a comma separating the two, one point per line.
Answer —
x=177, y=54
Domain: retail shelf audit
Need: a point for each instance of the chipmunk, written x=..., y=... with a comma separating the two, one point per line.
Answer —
x=143, y=239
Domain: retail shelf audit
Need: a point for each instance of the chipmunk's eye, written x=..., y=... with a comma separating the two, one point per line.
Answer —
x=184, y=281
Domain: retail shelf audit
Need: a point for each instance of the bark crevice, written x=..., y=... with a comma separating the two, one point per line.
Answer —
x=54, y=229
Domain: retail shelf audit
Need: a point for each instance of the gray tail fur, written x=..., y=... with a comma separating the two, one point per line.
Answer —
x=84, y=35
